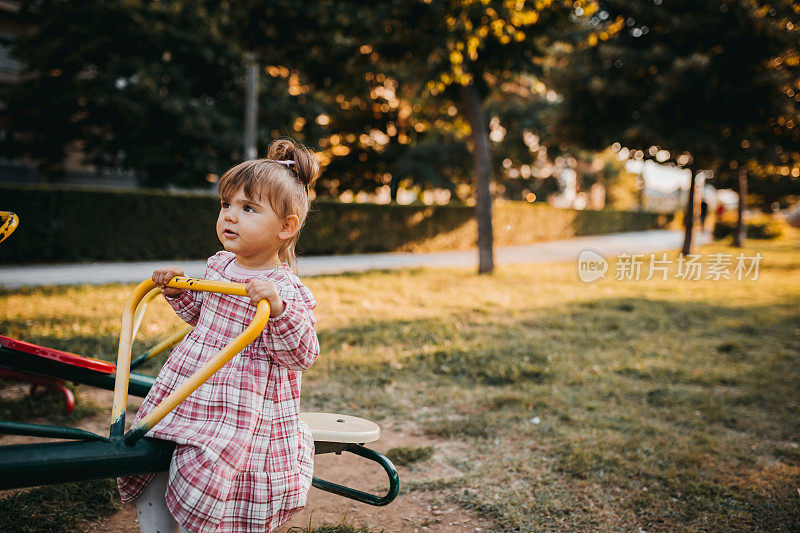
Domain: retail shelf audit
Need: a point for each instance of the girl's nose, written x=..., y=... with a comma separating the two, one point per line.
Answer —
x=229, y=216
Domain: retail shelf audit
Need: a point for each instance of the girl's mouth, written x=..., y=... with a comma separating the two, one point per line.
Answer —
x=229, y=233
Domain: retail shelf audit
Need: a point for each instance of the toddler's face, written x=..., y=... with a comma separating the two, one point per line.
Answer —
x=249, y=228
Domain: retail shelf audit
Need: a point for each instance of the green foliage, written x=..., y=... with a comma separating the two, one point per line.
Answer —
x=621, y=186
x=64, y=225
x=697, y=77
x=64, y=507
x=760, y=227
x=153, y=87
x=157, y=87
x=439, y=59
x=407, y=455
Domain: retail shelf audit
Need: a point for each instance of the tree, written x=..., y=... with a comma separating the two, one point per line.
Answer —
x=766, y=147
x=156, y=87
x=454, y=52
x=692, y=78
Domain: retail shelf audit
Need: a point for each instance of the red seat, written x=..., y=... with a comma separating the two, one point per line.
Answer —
x=89, y=363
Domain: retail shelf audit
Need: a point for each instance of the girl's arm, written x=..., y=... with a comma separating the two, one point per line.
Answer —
x=185, y=303
x=290, y=338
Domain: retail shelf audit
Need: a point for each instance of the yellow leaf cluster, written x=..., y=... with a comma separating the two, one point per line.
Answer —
x=524, y=18
x=616, y=27
x=479, y=20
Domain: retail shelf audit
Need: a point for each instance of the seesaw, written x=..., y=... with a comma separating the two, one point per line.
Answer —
x=90, y=456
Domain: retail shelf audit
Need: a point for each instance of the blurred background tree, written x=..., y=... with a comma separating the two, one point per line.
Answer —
x=453, y=53
x=476, y=98
x=154, y=87
x=695, y=79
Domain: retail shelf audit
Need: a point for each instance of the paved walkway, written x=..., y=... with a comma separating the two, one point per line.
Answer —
x=544, y=252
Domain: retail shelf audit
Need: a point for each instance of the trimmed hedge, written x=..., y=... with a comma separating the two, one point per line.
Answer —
x=73, y=225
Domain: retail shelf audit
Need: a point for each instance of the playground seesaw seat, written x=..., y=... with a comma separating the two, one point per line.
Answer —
x=85, y=455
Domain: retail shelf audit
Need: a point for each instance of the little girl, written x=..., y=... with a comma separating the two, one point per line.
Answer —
x=244, y=459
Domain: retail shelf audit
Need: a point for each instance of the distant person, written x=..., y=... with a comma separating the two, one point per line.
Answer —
x=244, y=460
x=703, y=214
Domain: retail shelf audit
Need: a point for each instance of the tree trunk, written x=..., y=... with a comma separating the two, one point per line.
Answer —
x=251, y=108
x=483, y=176
x=394, y=185
x=640, y=195
x=740, y=234
x=688, y=214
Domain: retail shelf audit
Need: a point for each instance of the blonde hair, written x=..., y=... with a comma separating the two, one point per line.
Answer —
x=285, y=178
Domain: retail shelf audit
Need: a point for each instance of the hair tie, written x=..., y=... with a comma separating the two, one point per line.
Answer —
x=286, y=162
x=289, y=163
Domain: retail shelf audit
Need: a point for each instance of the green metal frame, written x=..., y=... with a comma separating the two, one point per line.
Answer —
x=51, y=432
x=28, y=465
x=360, y=496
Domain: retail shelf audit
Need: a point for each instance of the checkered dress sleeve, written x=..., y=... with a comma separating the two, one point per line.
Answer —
x=290, y=338
x=187, y=305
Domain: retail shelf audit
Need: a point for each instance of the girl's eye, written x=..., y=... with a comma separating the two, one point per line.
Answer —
x=225, y=205
x=249, y=209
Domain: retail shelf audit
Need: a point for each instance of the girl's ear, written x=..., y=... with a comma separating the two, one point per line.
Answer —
x=291, y=225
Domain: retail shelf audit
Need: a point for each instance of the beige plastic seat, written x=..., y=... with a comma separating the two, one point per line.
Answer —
x=332, y=427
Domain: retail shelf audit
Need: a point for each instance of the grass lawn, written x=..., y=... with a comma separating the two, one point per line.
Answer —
x=658, y=405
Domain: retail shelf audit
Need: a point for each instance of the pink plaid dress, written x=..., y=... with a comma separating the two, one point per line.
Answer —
x=244, y=459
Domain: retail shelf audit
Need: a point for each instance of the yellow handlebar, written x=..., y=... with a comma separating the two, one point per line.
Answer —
x=199, y=377
x=10, y=223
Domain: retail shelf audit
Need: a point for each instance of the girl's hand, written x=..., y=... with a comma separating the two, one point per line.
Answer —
x=162, y=276
x=259, y=289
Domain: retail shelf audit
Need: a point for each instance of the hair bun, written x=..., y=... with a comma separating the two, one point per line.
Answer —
x=281, y=149
x=306, y=165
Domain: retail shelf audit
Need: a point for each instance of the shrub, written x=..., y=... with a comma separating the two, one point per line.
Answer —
x=758, y=227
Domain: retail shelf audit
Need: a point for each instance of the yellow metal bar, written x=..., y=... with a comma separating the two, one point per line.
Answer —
x=188, y=387
x=11, y=221
x=140, y=310
x=168, y=342
x=124, y=356
x=207, y=285
x=206, y=371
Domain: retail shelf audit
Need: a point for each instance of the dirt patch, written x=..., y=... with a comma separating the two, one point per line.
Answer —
x=410, y=512
x=124, y=521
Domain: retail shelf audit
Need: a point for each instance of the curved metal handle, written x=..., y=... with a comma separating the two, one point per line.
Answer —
x=361, y=496
x=11, y=221
x=161, y=347
x=199, y=377
x=142, y=308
